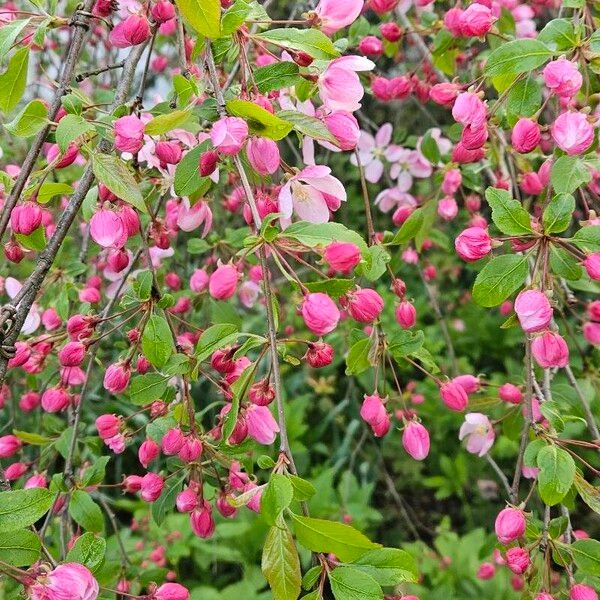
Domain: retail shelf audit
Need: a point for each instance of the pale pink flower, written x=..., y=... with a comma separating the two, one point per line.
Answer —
x=262, y=427
x=339, y=85
x=190, y=218
x=371, y=151
x=407, y=164
x=572, y=132
x=479, y=432
x=337, y=14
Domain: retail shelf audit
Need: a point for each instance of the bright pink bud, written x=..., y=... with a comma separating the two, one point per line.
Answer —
x=415, y=439
x=391, y=32
x=261, y=393
x=132, y=483
x=69, y=580
x=454, y=396
x=592, y=266
x=380, y=86
x=581, y=591
x=550, y=350
x=533, y=310
x=172, y=441
x=342, y=256
x=364, y=305
x=476, y=20
x=572, y=132
x=371, y=45
x=562, y=77
x=337, y=14
x=374, y=413
x=15, y=471
x=453, y=21
x=382, y=6
x=510, y=393
x=208, y=163
x=202, y=522
x=169, y=153
x=344, y=128
x=80, y=327
x=223, y=282
x=591, y=332
x=469, y=110
x=148, y=452
x=13, y=251
x=452, y=181
x=469, y=383
x=320, y=313
x=474, y=138
x=187, y=501
x=406, y=314
x=263, y=155
x=319, y=354
x=544, y=596
x=171, y=591
x=116, y=378
x=486, y=571
x=525, y=135
x=517, y=560
x=134, y=30
x=9, y=445
x=26, y=218
x=473, y=244
x=224, y=507
x=444, y=93
x=531, y=184
x=108, y=426
x=55, y=399
x=107, y=229
x=72, y=354
x=51, y=319
x=163, y=11
x=151, y=487
x=228, y=135
x=191, y=449
x=23, y=352
x=199, y=281
x=129, y=133
x=510, y=525
x=262, y=427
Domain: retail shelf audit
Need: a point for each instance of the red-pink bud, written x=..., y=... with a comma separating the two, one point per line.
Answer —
x=320, y=313
x=172, y=441
x=116, y=378
x=510, y=525
x=208, y=163
x=392, y=32
x=525, y=135
x=108, y=426
x=72, y=354
x=406, y=314
x=162, y=11
x=151, y=487
x=187, y=501
x=342, y=256
x=364, y=305
x=9, y=445
x=319, y=354
x=517, y=560
x=148, y=452
x=202, y=522
x=533, y=310
x=550, y=350
x=223, y=282
x=454, y=396
x=415, y=440
x=26, y=218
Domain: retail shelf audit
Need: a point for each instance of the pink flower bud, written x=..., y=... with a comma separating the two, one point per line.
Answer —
x=148, y=452
x=562, y=77
x=223, y=282
x=162, y=11
x=261, y=393
x=169, y=153
x=172, y=441
x=228, y=135
x=51, y=319
x=151, y=487
x=473, y=138
x=581, y=591
x=476, y=20
x=224, y=507
x=444, y=93
x=107, y=229
x=9, y=445
x=543, y=596
x=468, y=109
x=473, y=244
x=208, y=163
x=525, y=135
x=517, y=560
x=116, y=378
x=202, y=522
x=510, y=525
x=69, y=580
x=199, y=281
x=382, y=6
x=72, y=354
x=572, y=133
x=134, y=30
x=171, y=591
x=406, y=314
x=391, y=32
x=365, y=305
x=380, y=86
x=319, y=354
x=452, y=181
x=344, y=128
x=187, y=501
x=262, y=427
x=592, y=266
x=453, y=21
x=13, y=252
x=342, y=256
x=23, y=352
x=55, y=399
x=320, y=313
x=447, y=208
x=26, y=218
x=191, y=449
x=469, y=383
x=454, y=396
x=129, y=133
x=371, y=45
x=510, y=393
x=531, y=184
x=108, y=426
x=132, y=483
x=29, y=401
x=337, y=14
x=550, y=350
x=80, y=327
x=591, y=332
x=14, y=471
x=374, y=413
x=486, y=571
x=533, y=310
x=415, y=439
x=263, y=155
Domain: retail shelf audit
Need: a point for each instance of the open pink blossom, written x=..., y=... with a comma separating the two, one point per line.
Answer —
x=71, y=580
x=406, y=164
x=339, y=85
x=572, y=133
x=337, y=14
x=371, y=150
x=190, y=218
x=479, y=432
x=311, y=194
x=228, y=135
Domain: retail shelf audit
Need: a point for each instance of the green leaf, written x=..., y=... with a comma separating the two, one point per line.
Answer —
x=320, y=535
x=410, y=227
x=85, y=512
x=235, y=16
x=376, y=261
x=333, y=287
x=34, y=241
x=238, y=389
x=260, y=121
x=502, y=276
x=157, y=341
x=203, y=15
x=312, y=236
x=588, y=238
x=276, y=76
x=388, y=566
x=307, y=125
x=167, y=122
x=586, y=554
x=430, y=149
x=311, y=41
x=518, y=56
x=276, y=497
x=353, y=584
x=33, y=439
x=14, y=79
x=557, y=473
x=508, y=214
x=70, y=128
x=166, y=500
x=30, y=120
x=19, y=548
x=404, y=343
x=589, y=493
x=187, y=174
x=22, y=508
x=50, y=189
x=558, y=34
x=559, y=213
x=215, y=337
x=146, y=388
x=568, y=173
x=96, y=473
x=564, y=264
x=281, y=564
x=9, y=33
x=303, y=490
x=524, y=99
x=88, y=550
x=114, y=174
x=357, y=359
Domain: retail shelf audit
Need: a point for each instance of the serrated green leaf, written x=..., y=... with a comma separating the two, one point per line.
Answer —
x=203, y=15
x=114, y=174
x=502, y=276
x=517, y=56
x=30, y=120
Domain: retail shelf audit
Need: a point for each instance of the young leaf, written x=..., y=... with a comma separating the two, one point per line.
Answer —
x=588, y=238
x=388, y=566
x=88, y=550
x=146, y=388
x=312, y=235
x=559, y=213
x=215, y=337
x=165, y=123
x=568, y=173
x=9, y=33
x=311, y=41
x=203, y=15
x=166, y=501
x=260, y=121
x=276, y=498
x=586, y=554
x=14, y=79
x=276, y=76
x=187, y=174
x=30, y=120
x=307, y=125
x=85, y=512
x=69, y=128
